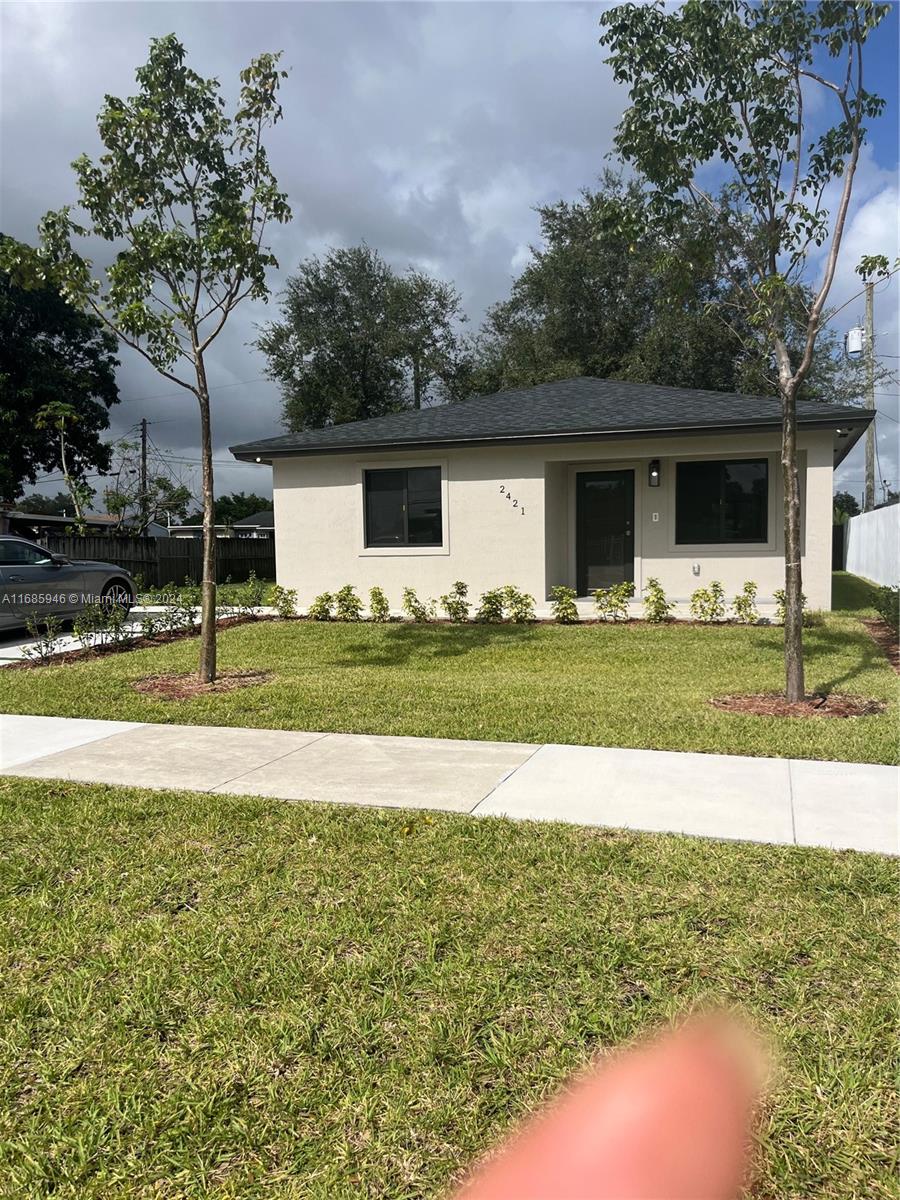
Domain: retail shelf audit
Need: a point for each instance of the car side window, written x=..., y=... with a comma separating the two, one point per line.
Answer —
x=21, y=554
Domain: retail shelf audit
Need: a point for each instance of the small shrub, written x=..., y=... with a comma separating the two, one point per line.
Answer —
x=190, y=593
x=612, y=602
x=178, y=616
x=347, y=605
x=456, y=604
x=151, y=626
x=249, y=596
x=490, y=607
x=744, y=604
x=87, y=624
x=284, y=601
x=46, y=634
x=519, y=606
x=379, y=609
x=656, y=607
x=321, y=608
x=887, y=605
x=562, y=605
x=417, y=610
x=781, y=606
x=708, y=604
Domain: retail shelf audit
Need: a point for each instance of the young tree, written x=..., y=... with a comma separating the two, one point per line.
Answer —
x=185, y=193
x=51, y=353
x=727, y=86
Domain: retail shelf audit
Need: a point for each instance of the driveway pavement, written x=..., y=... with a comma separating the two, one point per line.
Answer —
x=791, y=802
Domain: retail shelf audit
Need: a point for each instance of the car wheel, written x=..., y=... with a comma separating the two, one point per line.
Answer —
x=117, y=595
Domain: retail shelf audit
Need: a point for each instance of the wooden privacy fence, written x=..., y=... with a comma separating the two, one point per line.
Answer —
x=172, y=560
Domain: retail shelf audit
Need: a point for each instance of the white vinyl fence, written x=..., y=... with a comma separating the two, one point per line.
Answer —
x=872, y=545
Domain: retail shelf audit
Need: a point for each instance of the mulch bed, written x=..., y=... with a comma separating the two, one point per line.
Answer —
x=142, y=643
x=184, y=687
x=772, y=704
x=885, y=638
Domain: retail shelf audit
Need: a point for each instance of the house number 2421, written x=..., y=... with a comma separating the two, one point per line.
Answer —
x=504, y=491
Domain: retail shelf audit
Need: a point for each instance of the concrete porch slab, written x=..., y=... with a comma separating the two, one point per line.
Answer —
x=194, y=757
x=393, y=772
x=848, y=806
x=25, y=738
x=708, y=795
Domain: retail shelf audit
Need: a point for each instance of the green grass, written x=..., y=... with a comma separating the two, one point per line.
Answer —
x=630, y=685
x=852, y=594
x=217, y=996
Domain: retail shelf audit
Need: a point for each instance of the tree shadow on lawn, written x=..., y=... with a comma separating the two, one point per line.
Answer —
x=820, y=642
x=406, y=643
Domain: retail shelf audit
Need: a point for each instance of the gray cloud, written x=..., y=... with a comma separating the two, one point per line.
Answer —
x=429, y=130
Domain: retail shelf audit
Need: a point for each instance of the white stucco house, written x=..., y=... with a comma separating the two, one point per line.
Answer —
x=583, y=482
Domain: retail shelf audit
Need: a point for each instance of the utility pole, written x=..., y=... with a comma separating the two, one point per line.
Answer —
x=869, y=500
x=144, y=494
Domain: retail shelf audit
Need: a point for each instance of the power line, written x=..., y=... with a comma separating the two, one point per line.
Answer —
x=216, y=388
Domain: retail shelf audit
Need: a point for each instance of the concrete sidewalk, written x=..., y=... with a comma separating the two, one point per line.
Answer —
x=793, y=802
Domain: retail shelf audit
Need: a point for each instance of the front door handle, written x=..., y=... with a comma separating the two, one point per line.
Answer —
x=16, y=578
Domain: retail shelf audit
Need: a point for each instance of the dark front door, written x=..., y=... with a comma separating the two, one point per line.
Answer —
x=604, y=528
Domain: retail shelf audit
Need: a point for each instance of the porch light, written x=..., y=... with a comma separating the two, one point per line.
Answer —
x=653, y=478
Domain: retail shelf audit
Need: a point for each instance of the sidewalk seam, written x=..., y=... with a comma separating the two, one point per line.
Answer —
x=790, y=774
x=508, y=775
x=267, y=763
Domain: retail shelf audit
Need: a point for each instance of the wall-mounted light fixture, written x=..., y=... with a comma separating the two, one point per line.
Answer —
x=653, y=477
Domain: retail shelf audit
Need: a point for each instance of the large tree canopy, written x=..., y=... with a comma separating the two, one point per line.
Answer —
x=357, y=340
x=620, y=299
x=51, y=353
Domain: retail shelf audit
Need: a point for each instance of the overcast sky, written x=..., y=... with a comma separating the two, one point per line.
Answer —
x=429, y=130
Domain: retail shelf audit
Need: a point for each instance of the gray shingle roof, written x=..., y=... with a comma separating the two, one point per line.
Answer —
x=569, y=408
x=264, y=518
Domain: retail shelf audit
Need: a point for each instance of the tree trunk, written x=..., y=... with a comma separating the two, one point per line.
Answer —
x=417, y=382
x=208, y=600
x=793, y=583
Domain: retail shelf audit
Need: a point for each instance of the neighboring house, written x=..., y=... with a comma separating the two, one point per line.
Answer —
x=583, y=482
x=259, y=525
x=196, y=531
x=36, y=525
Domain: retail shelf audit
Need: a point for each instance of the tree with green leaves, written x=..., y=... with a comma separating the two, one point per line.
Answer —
x=61, y=419
x=616, y=299
x=185, y=192
x=599, y=299
x=234, y=507
x=50, y=354
x=424, y=317
x=59, y=505
x=846, y=504
x=745, y=91
x=356, y=340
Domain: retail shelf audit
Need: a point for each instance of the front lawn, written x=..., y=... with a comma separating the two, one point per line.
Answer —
x=631, y=685
x=217, y=996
